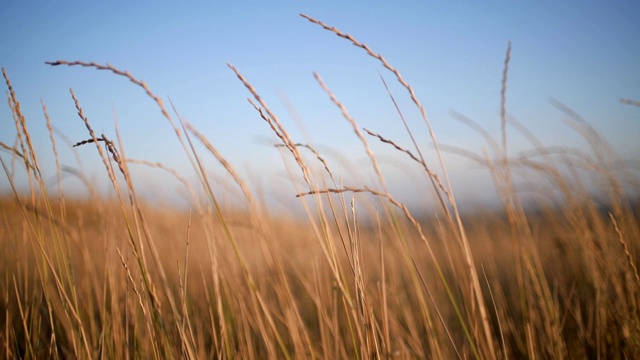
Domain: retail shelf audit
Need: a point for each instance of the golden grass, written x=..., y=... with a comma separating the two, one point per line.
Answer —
x=118, y=278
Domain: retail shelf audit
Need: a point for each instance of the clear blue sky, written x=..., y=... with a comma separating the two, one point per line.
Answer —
x=585, y=54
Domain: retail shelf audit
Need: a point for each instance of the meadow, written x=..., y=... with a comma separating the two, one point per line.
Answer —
x=357, y=275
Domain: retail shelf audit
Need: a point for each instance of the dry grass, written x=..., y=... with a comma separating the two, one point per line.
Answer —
x=116, y=278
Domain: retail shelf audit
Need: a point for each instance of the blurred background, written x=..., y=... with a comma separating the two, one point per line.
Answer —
x=584, y=55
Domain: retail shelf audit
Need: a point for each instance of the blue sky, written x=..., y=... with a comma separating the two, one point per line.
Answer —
x=585, y=54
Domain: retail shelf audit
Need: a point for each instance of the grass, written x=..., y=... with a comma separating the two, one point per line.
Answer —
x=118, y=278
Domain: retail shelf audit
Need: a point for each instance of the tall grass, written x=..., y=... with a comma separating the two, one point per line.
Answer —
x=553, y=277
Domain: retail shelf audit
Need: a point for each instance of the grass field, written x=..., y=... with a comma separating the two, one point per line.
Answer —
x=357, y=275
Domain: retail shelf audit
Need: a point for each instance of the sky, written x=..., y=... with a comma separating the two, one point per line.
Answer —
x=584, y=54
